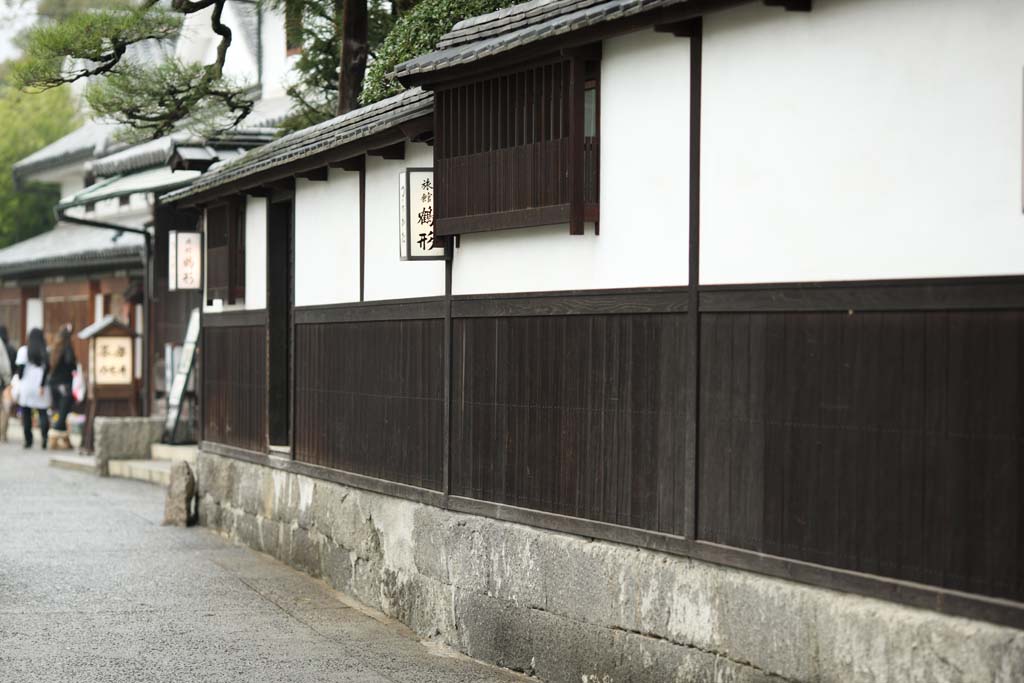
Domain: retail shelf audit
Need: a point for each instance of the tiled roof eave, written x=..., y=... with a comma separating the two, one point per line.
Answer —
x=110, y=258
x=310, y=143
x=523, y=26
x=21, y=171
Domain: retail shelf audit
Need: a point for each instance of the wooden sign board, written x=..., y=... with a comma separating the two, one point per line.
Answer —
x=416, y=216
x=181, y=376
x=113, y=364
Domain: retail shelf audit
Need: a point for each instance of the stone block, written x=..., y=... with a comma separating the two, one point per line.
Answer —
x=214, y=476
x=563, y=607
x=304, y=550
x=180, y=493
x=336, y=566
x=124, y=438
x=209, y=513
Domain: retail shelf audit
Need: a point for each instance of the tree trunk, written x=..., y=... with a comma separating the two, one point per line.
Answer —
x=354, y=49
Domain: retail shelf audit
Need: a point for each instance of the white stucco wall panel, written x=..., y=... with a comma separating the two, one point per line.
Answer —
x=388, y=277
x=645, y=100
x=277, y=63
x=327, y=240
x=871, y=139
x=255, y=253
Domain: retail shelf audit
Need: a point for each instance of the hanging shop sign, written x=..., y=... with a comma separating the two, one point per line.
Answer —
x=416, y=216
x=185, y=260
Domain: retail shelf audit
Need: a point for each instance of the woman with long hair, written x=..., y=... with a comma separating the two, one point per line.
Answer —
x=62, y=368
x=6, y=378
x=33, y=394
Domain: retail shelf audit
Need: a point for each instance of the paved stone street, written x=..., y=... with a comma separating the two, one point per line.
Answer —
x=92, y=588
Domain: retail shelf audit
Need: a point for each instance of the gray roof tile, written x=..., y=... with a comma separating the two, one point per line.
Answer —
x=69, y=245
x=307, y=142
x=520, y=25
x=86, y=142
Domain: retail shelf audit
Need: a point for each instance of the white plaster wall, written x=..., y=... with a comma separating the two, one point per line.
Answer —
x=388, y=277
x=645, y=100
x=276, y=61
x=327, y=239
x=198, y=43
x=868, y=139
x=255, y=253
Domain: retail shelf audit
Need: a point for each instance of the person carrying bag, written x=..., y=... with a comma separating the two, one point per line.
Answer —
x=33, y=394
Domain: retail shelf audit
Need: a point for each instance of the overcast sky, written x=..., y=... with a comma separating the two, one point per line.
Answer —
x=12, y=21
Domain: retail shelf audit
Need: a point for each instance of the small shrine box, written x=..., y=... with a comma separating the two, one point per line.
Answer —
x=112, y=387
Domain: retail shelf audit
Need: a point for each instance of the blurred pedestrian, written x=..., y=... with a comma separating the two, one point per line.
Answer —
x=33, y=368
x=6, y=374
x=62, y=371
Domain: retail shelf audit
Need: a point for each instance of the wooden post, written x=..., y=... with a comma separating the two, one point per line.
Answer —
x=577, y=81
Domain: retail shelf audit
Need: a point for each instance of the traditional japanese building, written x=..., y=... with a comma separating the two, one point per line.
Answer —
x=645, y=341
x=108, y=253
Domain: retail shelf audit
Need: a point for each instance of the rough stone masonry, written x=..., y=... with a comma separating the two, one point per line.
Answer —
x=565, y=608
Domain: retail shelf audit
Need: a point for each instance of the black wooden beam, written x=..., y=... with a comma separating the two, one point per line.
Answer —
x=680, y=29
x=395, y=151
x=692, y=414
x=419, y=130
x=351, y=164
x=318, y=174
x=790, y=5
x=257, y=192
x=280, y=184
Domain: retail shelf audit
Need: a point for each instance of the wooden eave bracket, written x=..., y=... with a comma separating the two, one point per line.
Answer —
x=588, y=53
x=351, y=164
x=790, y=5
x=318, y=174
x=393, y=152
x=686, y=28
x=419, y=130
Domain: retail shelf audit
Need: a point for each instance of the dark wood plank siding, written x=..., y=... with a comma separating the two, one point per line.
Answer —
x=890, y=443
x=369, y=398
x=579, y=415
x=235, y=386
x=507, y=150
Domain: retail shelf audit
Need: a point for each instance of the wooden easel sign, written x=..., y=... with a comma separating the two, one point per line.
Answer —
x=181, y=376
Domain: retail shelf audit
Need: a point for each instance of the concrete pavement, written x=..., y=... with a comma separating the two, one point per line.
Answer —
x=92, y=588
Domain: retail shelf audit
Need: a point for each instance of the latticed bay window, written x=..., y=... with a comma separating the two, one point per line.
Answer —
x=225, y=252
x=520, y=148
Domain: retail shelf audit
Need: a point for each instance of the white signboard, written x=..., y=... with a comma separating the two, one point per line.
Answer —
x=416, y=216
x=113, y=360
x=188, y=260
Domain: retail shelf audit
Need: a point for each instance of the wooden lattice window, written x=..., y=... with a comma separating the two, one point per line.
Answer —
x=225, y=252
x=519, y=149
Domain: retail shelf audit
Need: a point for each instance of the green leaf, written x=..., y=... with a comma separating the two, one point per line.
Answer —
x=30, y=123
x=415, y=34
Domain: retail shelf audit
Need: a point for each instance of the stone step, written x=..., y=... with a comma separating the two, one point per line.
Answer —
x=170, y=453
x=153, y=471
x=80, y=463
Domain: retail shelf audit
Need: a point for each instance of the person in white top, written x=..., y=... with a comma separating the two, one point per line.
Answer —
x=33, y=392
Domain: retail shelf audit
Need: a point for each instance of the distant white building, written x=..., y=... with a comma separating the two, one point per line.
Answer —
x=79, y=273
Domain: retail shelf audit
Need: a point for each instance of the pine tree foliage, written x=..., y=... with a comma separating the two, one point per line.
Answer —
x=151, y=100
x=415, y=34
x=314, y=92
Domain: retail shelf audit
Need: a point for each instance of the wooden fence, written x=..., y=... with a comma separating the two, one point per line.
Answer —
x=875, y=428
x=234, y=379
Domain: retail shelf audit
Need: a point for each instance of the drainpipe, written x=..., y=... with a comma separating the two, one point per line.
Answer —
x=62, y=215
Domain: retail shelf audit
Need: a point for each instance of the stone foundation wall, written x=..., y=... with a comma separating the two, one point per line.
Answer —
x=124, y=438
x=565, y=608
